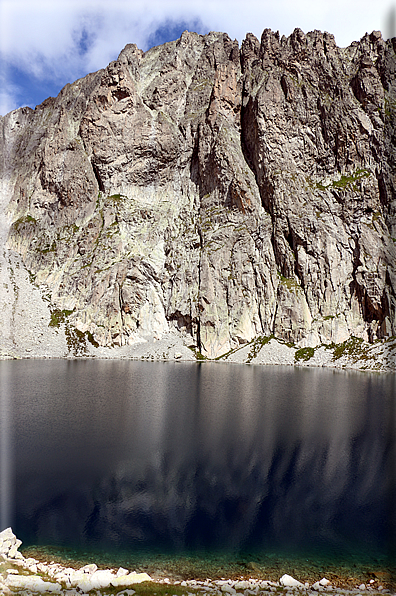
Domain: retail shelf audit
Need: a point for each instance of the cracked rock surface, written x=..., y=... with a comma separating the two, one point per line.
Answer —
x=204, y=192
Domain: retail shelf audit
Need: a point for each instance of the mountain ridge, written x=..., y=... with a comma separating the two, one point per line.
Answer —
x=214, y=193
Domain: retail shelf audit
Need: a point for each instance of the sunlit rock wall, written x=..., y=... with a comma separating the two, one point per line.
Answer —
x=216, y=191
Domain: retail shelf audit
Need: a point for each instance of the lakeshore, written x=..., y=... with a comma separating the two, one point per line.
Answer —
x=352, y=354
x=22, y=573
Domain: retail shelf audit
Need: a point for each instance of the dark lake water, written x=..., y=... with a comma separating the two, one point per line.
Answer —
x=199, y=459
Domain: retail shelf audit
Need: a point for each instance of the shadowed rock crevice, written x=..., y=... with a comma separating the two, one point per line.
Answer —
x=98, y=178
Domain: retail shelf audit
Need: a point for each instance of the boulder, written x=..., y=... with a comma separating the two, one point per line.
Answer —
x=33, y=583
x=9, y=544
x=289, y=582
x=130, y=579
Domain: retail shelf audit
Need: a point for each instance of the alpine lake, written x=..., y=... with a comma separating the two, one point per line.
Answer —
x=201, y=469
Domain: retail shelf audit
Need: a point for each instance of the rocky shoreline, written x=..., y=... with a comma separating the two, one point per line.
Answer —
x=352, y=354
x=29, y=576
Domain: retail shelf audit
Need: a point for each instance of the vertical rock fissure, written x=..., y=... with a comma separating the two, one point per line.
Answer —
x=199, y=344
x=97, y=176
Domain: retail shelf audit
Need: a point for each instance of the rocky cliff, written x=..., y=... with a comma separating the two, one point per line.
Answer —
x=212, y=192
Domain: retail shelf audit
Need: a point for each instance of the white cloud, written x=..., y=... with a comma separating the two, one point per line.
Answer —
x=42, y=37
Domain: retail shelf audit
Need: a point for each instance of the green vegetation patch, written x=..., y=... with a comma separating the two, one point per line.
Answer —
x=257, y=343
x=389, y=106
x=353, y=348
x=22, y=221
x=345, y=182
x=290, y=283
x=58, y=317
x=116, y=198
x=197, y=353
x=152, y=589
x=48, y=248
x=77, y=341
x=91, y=339
x=304, y=354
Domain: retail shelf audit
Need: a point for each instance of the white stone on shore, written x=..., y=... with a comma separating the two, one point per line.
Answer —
x=324, y=582
x=32, y=582
x=289, y=582
x=321, y=584
x=91, y=568
x=9, y=544
x=227, y=588
x=31, y=561
x=89, y=578
x=96, y=581
x=242, y=585
x=130, y=579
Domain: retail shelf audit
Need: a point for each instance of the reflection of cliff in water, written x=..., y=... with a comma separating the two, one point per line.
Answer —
x=190, y=457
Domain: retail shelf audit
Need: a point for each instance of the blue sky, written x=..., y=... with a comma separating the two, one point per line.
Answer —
x=45, y=44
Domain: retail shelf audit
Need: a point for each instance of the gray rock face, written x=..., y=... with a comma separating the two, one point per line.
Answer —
x=216, y=192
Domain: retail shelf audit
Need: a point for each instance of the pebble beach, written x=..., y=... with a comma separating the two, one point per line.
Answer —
x=28, y=576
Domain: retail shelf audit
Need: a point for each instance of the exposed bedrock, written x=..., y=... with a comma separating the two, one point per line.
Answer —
x=219, y=191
